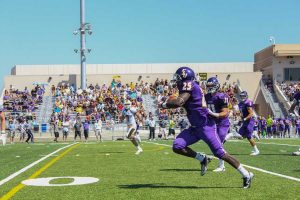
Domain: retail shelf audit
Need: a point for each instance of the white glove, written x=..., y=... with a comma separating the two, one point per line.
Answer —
x=213, y=113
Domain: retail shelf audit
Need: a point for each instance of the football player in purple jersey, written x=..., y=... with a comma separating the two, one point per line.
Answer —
x=281, y=127
x=274, y=128
x=297, y=123
x=217, y=103
x=255, y=129
x=287, y=127
x=202, y=127
x=246, y=130
x=296, y=103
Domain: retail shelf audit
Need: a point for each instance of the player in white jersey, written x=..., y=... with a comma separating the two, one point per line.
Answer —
x=98, y=130
x=132, y=135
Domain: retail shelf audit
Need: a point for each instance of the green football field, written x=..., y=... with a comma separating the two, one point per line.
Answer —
x=157, y=173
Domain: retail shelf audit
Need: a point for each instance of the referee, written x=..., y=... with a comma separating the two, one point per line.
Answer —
x=151, y=123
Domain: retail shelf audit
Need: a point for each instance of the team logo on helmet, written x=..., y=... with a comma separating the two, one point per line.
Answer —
x=183, y=74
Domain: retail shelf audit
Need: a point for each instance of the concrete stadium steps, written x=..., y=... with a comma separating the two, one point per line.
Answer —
x=277, y=107
x=150, y=105
x=45, y=109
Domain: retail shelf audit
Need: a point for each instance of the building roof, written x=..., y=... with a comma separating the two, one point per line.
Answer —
x=264, y=57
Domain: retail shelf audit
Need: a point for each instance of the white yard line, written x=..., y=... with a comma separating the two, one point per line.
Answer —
x=269, y=143
x=273, y=173
x=31, y=165
x=248, y=166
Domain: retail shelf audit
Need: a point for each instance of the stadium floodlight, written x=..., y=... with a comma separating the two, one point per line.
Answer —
x=82, y=30
x=88, y=26
x=75, y=32
x=272, y=39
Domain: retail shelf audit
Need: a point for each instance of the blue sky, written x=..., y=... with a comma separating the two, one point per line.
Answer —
x=143, y=31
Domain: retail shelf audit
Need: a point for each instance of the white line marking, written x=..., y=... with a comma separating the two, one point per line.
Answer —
x=273, y=173
x=270, y=143
x=31, y=165
x=51, y=155
x=248, y=166
x=159, y=144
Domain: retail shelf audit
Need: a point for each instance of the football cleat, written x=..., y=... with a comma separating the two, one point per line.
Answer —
x=139, y=151
x=204, y=164
x=255, y=153
x=296, y=153
x=247, y=180
x=219, y=169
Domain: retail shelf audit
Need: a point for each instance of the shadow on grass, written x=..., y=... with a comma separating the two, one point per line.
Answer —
x=160, y=185
x=261, y=154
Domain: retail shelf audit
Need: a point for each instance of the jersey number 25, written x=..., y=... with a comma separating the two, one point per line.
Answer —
x=187, y=86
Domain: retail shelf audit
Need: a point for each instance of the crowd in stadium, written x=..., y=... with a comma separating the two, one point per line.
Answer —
x=15, y=100
x=103, y=105
x=289, y=89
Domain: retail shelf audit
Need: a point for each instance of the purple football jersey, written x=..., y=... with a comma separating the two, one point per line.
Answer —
x=216, y=103
x=243, y=106
x=195, y=106
x=287, y=122
x=274, y=124
x=298, y=123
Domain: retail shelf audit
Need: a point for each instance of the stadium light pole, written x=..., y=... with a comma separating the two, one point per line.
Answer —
x=272, y=39
x=84, y=28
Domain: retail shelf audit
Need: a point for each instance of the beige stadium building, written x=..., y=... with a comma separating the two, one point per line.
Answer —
x=279, y=62
x=22, y=75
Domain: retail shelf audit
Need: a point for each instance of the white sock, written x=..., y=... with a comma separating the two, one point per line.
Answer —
x=200, y=157
x=255, y=148
x=221, y=163
x=239, y=136
x=243, y=171
x=228, y=136
x=138, y=138
x=3, y=139
x=139, y=148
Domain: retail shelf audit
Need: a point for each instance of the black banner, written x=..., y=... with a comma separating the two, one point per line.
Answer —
x=202, y=76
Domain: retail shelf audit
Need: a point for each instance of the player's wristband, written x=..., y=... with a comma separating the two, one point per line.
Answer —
x=245, y=119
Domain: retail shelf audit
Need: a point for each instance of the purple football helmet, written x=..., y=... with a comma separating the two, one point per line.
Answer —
x=212, y=85
x=244, y=95
x=184, y=74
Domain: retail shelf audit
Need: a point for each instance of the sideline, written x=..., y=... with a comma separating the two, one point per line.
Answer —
x=269, y=143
